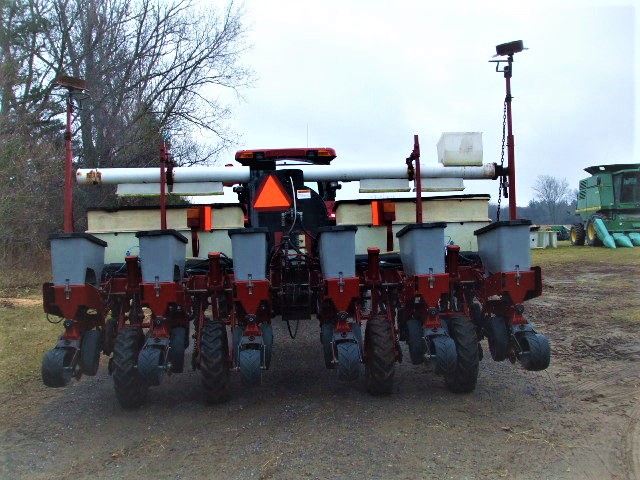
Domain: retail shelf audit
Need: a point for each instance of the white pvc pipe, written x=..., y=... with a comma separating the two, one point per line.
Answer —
x=319, y=173
x=312, y=173
x=112, y=176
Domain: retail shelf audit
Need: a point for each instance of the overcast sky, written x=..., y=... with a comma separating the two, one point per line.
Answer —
x=364, y=76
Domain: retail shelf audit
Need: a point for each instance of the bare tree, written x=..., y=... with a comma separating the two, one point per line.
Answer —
x=152, y=68
x=30, y=196
x=30, y=145
x=552, y=192
x=155, y=69
x=25, y=82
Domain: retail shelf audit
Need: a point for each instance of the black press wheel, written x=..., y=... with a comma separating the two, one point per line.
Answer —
x=380, y=356
x=178, y=344
x=446, y=357
x=577, y=234
x=497, y=334
x=326, y=338
x=267, y=339
x=536, y=351
x=56, y=368
x=475, y=309
x=131, y=390
x=151, y=365
x=415, y=341
x=214, y=361
x=249, y=366
x=90, y=352
x=110, y=332
x=463, y=379
x=348, y=361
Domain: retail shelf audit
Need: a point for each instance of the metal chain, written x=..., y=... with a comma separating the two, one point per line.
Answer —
x=293, y=334
x=504, y=140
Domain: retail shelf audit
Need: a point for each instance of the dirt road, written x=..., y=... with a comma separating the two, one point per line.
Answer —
x=578, y=420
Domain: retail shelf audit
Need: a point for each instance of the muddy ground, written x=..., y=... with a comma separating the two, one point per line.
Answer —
x=580, y=419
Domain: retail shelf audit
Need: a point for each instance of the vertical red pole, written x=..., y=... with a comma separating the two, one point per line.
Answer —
x=215, y=272
x=416, y=155
x=373, y=276
x=513, y=212
x=163, y=182
x=68, y=174
x=453, y=254
x=373, y=265
x=133, y=274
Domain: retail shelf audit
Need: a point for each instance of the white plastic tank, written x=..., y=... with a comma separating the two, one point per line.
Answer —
x=460, y=149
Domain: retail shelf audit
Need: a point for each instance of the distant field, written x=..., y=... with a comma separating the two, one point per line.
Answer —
x=614, y=274
x=568, y=254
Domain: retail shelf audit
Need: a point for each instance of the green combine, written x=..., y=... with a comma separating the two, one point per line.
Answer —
x=609, y=205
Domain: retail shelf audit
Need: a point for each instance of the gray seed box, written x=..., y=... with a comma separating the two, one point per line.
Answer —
x=162, y=255
x=504, y=246
x=77, y=258
x=249, y=247
x=337, y=247
x=422, y=248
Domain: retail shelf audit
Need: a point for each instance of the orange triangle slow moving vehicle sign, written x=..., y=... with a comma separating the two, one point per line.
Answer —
x=271, y=196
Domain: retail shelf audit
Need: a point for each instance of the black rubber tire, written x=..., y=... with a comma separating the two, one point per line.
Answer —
x=267, y=339
x=562, y=234
x=150, y=365
x=402, y=325
x=446, y=360
x=592, y=237
x=497, y=334
x=537, y=351
x=356, y=328
x=348, y=361
x=326, y=338
x=577, y=234
x=465, y=376
x=249, y=366
x=178, y=343
x=214, y=361
x=415, y=341
x=55, y=367
x=380, y=356
x=475, y=310
x=131, y=390
x=110, y=327
x=236, y=337
x=90, y=352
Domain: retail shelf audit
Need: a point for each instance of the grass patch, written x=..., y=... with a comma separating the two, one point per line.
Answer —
x=593, y=281
x=26, y=335
x=566, y=254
